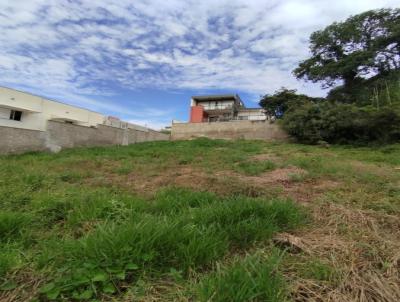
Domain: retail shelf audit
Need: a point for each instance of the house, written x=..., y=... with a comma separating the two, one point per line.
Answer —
x=32, y=123
x=222, y=108
x=27, y=111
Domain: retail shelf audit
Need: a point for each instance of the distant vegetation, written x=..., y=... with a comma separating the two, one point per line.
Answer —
x=360, y=59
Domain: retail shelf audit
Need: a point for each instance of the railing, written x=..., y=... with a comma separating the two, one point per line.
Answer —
x=260, y=117
x=217, y=107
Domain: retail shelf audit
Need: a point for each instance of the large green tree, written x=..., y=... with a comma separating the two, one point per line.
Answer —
x=278, y=103
x=365, y=45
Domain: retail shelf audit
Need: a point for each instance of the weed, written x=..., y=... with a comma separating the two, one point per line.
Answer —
x=181, y=230
x=12, y=225
x=254, y=278
x=77, y=219
x=255, y=167
x=318, y=270
x=9, y=258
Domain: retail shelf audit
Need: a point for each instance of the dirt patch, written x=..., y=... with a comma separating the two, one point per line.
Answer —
x=362, y=167
x=265, y=157
x=183, y=176
x=180, y=176
x=282, y=174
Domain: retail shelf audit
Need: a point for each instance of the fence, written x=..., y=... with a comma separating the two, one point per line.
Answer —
x=59, y=135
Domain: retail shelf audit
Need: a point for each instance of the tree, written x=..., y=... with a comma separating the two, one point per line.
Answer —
x=363, y=46
x=279, y=102
x=340, y=123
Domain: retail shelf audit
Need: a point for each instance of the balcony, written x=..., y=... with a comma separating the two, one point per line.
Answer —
x=217, y=107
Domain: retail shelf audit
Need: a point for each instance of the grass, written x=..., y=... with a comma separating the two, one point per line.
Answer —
x=183, y=221
x=153, y=240
x=255, y=167
x=254, y=278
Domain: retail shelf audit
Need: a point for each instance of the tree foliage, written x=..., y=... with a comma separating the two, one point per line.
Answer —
x=279, y=102
x=342, y=123
x=364, y=45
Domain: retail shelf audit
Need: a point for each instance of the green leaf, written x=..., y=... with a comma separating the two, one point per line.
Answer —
x=8, y=285
x=100, y=277
x=87, y=294
x=132, y=266
x=120, y=275
x=47, y=287
x=113, y=270
x=53, y=294
x=109, y=288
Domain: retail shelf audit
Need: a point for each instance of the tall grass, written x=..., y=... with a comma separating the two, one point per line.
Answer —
x=12, y=225
x=254, y=278
x=197, y=230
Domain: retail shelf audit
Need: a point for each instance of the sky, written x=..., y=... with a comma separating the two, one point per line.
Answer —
x=142, y=60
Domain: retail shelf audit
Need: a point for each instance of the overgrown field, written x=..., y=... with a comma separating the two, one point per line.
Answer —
x=201, y=220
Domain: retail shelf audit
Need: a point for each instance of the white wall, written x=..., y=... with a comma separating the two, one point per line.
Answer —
x=252, y=115
x=36, y=111
x=216, y=104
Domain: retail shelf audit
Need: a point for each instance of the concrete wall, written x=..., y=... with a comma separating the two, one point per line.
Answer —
x=59, y=135
x=229, y=130
x=14, y=140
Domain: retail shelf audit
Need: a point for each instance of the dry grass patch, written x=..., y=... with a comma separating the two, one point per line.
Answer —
x=355, y=244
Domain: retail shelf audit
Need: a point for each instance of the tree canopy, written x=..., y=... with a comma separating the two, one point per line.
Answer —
x=279, y=102
x=363, y=46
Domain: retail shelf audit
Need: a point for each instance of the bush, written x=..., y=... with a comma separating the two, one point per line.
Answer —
x=342, y=123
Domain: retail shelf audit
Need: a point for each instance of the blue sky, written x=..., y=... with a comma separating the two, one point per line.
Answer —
x=142, y=60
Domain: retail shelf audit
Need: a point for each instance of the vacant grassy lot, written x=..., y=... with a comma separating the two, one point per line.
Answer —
x=201, y=220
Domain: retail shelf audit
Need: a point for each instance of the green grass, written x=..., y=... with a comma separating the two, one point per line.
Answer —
x=12, y=224
x=95, y=223
x=254, y=278
x=197, y=230
x=318, y=270
x=255, y=167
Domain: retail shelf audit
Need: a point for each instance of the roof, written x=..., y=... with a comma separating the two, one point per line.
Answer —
x=251, y=109
x=216, y=97
x=48, y=99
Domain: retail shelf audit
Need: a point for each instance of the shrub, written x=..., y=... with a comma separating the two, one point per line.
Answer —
x=342, y=124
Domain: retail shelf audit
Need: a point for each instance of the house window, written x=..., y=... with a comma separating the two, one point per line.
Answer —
x=15, y=115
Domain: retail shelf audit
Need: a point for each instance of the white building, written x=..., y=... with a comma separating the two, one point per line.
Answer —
x=26, y=111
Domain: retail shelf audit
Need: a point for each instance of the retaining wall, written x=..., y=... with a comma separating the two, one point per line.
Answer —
x=15, y=140
x=60, y=135
x=264, y=130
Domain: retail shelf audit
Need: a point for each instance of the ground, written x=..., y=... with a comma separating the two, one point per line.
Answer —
x=201, y=220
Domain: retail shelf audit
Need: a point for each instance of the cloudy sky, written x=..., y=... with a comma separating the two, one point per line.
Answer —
x=142, y=60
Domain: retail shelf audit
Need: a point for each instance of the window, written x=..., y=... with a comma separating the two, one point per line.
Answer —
x=15, y=115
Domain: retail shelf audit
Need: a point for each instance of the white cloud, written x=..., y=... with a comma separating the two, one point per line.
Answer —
x=67, y=48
